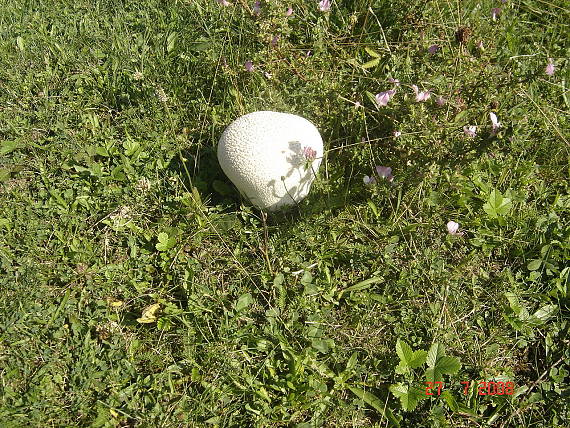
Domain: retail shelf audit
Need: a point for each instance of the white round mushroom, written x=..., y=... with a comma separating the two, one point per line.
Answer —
x=271, y=157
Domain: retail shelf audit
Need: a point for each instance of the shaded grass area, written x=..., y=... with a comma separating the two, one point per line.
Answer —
x=112, y=200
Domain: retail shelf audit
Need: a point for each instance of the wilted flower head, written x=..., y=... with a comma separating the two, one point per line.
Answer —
x=495, y=12
x=137, y=75
x=433, y=49
x=480, y=45
x=421, y=96
x=309, y=153
x=369, y=180
x=257, y=8
x=224, y=2
x=382, y=98
x=385, y=172
x=396, y=82
x=289, y=11
x=550, y=67
x=397, y=134
x=357, y=104
x=249, y=65
x=161, y=95
x=470, y=131
x=274, y=41
x=453, y=227
x=324, y=5
x=440, y=101
x=494, y=123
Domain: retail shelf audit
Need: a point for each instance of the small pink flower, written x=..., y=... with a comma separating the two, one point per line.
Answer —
x=289, y=12
x=396, y=82
x=503, y=1
x=385, y=172
x=421, y=96
x=480, y=45
x=257, y=8
x=357, y=104
x=382, y=98
x=249, y=66
x=397, y=134
x=433, y=49
x=224, y=2
x=440, y=101
x=495, y=12
x=470, y=131
x=495, y=123
x=309, y=153
x=274, y=41
x=324, y=5
x=369, y=180
x=550, y=67
x=308, y=54
x=453, y=227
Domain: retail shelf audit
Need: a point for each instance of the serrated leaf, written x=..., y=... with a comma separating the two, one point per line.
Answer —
x=409, y=358
x=404, y=351
x=433, y=375
x=371, y=52
x=372, y=63
x=376, y=403
x=165, y=243
x=497, y=205
x=436, y=351
x=448, y=365
x=409, y=396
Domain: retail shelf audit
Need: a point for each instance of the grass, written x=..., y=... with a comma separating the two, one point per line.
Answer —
x=138, y=289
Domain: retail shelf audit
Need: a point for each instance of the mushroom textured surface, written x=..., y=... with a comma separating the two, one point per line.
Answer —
x=271, y=157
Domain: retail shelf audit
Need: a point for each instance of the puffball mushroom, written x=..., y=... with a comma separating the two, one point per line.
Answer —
x=271, y=157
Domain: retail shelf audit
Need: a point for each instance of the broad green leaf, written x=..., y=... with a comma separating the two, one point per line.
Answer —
x=534, y=264
x=372, y=52
x=518, y=308
x=372, y=63
x=20, y=43
x=376, y=403
x=362, y=285
x=497, y=205
x=351, y=361
x=408, y=357
x=164, y=242
x=171, y=42
x=448, y=365
x=450, y=400
x=440, y=364
x=436, y=351
x=404, y=351
x=7, y=147
x=545, y=313
x=244, y=301
x=148, y=314
x=409, y=396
